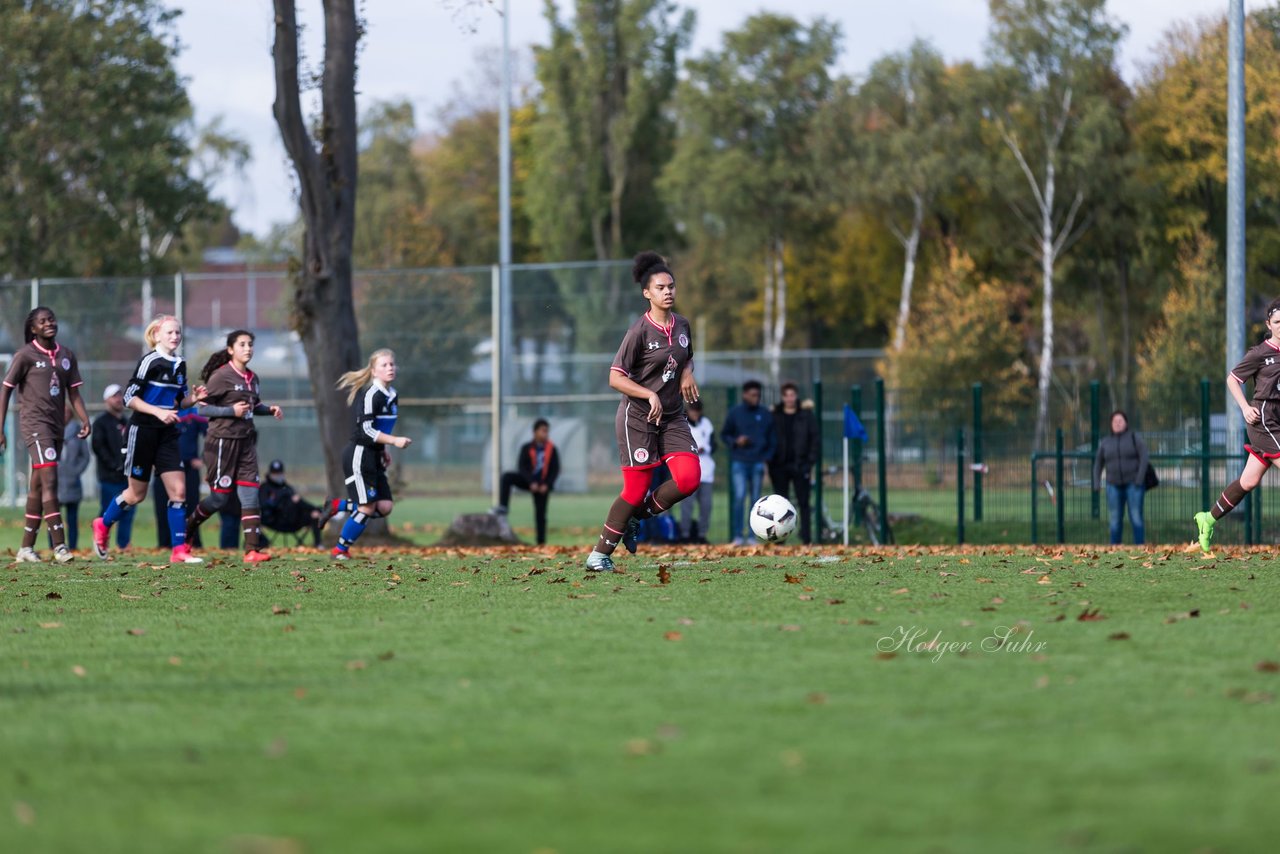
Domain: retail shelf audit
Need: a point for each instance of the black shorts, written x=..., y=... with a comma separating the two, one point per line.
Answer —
x=151, y=447
x=1264, y=437
x=229, y=463
x=45, y=451
x=366, y=478
x=643, y=444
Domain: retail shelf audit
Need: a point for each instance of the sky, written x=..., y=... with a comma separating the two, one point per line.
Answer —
x=426, y=51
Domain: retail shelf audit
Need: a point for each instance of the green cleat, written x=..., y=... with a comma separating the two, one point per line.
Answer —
x=1204, y=524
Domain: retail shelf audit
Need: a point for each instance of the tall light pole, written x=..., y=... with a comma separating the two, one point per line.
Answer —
x=502, y=312
x=1235, y=208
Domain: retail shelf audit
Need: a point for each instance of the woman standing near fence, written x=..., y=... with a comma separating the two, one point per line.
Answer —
x=1124, y=455
x=1261, y=418
x=654, y=372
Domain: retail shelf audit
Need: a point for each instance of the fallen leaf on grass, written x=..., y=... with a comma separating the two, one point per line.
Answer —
x=672, y=636
x=816, y=698
x=51, y=625
x=885, y=656
x=788, y=578
x=386, y=656
x=53, y=594
x=357, y=664
x=685, y=621
x=901, y=590
x=835, y=601
x=175, y=660
x=1118, y=636
x=640, y=747
x=279, y=610
x=1044, y=579
x=984, y=581
x=1185, y=615
x=1087, y=616
x=805, y=597
x=664, y=575
x=1267, y=667
x=24, y=813
x=136, y=632
x=789, y=628
x=79, y=671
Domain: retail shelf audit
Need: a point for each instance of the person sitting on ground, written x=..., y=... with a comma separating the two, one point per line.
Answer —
x=283, y=509
x=539, y=466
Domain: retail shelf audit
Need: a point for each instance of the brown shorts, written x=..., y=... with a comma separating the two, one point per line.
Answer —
x=44, y=450
x=643, y=444
x=229, y=463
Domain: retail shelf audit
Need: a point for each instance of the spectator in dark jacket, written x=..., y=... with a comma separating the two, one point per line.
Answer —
x=71, y=465
x=1124, y=455
x=283, y=509
x=749, y=432
x=538, y=465
x=797, y=452
x=108, y=441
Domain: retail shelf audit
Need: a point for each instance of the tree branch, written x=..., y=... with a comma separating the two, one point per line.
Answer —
x=1022, y=162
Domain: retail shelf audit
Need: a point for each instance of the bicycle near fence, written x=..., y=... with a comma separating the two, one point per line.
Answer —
x=865, y=517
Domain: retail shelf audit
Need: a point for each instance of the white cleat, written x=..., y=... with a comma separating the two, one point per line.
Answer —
x=62, y=554
x=26, y=554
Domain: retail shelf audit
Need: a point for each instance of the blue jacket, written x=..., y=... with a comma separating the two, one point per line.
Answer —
x=754, y=422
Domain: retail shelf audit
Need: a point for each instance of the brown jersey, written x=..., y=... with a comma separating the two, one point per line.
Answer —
x=1261, y=365
x=227, y=387
x=42, y=379
x=655, y=357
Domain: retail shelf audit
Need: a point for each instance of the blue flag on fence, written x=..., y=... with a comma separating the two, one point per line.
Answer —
x=853, y=428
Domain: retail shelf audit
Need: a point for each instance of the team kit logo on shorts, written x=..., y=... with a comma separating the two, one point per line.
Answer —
x=137, y=471
x=224, y=481
x=50, y=454
x=641, y=455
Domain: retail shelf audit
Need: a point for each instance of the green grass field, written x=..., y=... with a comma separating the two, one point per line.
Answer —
x=1074, y=700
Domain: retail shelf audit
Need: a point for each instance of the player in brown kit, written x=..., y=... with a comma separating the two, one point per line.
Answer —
x=654, y=372
x=46, y=376
x=231, y=448
x=1261, y=418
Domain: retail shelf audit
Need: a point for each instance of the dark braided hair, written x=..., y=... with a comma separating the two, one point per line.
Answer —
x=647, y=264
x=223, y=356
x=28, y=335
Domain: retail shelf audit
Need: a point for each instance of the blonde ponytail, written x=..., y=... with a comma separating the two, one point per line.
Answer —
x=356, y=380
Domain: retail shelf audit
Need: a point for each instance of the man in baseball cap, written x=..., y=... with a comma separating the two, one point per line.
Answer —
x=283, y=508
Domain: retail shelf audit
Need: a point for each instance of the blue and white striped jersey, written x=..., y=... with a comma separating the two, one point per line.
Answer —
x=374, y=411
x=159, y=380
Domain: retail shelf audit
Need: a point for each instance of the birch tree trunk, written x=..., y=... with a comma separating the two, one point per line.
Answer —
x=1047, y=258
x=779, y=310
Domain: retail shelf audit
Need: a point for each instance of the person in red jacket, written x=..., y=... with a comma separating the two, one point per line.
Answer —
x=539, y=466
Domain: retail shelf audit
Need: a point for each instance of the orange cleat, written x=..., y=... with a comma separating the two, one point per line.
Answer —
x=256, y=556
x=182, y=554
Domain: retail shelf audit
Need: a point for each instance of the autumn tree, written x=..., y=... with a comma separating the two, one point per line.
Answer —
x=1049, y=60
x=744, y=175
x=95, y=136
x=985, y=321
x=1182, y=345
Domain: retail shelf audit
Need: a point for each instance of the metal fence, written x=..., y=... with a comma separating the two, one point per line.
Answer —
x=958, y=462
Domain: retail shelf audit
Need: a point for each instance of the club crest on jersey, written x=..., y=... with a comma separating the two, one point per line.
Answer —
x=684, y=341
x=224, y=481
x=50, y=454
x=66, y=363
x=671, y=369
x=641, y=455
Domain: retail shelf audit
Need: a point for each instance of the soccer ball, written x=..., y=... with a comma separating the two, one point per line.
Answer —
x=773, y=518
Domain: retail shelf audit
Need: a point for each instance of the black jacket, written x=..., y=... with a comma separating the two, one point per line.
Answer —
x=108, y=447
x=550, y=468
x=1124, y=456
x=802, y=436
